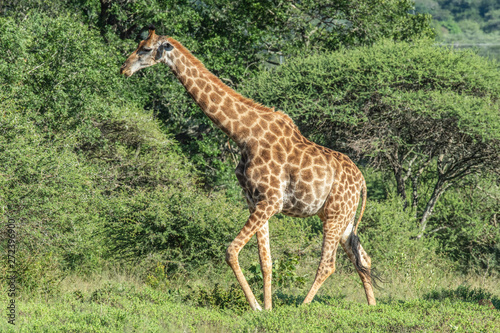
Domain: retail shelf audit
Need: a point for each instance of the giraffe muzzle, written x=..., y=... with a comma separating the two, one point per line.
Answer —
x=125, y=71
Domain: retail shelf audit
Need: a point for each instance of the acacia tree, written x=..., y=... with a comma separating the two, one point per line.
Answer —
x=431, y=145
x=430, y=115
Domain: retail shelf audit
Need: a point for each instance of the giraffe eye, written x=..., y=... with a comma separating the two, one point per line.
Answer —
x=146, y=49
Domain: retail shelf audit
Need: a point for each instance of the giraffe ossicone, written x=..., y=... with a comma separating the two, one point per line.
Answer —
x=280, y=170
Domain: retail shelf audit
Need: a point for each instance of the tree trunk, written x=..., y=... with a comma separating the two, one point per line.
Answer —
x=439, y=189
x=414, y=183
x=401, y=187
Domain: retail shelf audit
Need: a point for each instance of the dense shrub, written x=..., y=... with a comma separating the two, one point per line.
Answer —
x=183, y=225
x=49, y=192
x=338, y=87
x=466, y=223
x=465, y=294
x=72, y=145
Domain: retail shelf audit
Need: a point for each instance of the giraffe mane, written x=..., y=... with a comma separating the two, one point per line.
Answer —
x=210, y=76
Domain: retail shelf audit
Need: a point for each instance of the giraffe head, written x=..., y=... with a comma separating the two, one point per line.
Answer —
x=150, y=51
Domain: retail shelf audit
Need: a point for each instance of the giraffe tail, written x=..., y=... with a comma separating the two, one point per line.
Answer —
x=355, y=245
x=363, y=190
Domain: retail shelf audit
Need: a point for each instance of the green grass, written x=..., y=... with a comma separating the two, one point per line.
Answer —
x=123, y=305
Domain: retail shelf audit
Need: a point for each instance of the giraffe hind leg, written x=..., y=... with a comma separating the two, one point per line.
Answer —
x=331, y=237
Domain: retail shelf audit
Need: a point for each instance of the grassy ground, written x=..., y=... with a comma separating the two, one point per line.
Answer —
x=120, y=304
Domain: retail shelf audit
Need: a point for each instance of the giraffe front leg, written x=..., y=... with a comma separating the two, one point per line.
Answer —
x=265, y=263
x=258, y=218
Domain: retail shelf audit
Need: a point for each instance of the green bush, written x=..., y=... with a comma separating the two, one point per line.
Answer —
x=183, y=225
x=329, y=89
x=464, y=294
x=233, y=298
x=466, y=224
x=71, y=144
x=51, y=195
x=54, y=68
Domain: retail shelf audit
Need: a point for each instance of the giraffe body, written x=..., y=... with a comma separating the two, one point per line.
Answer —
x=280, y=170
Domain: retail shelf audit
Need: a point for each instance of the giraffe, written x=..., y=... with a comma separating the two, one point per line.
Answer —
x=280, y=170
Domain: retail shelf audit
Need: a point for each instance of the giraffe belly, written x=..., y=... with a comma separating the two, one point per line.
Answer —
x=304, y=199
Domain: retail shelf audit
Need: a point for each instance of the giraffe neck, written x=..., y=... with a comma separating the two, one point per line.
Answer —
x=228, y=110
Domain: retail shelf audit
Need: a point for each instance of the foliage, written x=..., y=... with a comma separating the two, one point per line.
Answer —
x=339, y=84
x=232, y=38
x=465, y=294
x=220, y=298
x=57, y=77
x=49, y=192
x=284, y=274
x=60, y=199
x=249, y=30
x=71, y=143
x=183, y=225
x=466, y=224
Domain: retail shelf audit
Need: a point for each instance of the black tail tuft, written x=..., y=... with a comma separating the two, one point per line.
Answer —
x=354, y=244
